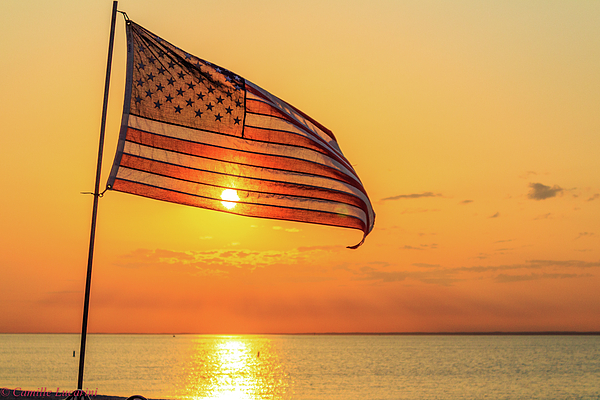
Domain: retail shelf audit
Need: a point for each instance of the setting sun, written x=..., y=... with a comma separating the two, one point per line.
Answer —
x=231, y=196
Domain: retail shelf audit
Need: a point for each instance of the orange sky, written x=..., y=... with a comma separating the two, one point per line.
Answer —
x=474, y=127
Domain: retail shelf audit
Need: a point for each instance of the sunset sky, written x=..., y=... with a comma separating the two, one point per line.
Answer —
x=474, y=126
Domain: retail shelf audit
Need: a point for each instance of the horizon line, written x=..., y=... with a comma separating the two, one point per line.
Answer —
x=441, y=333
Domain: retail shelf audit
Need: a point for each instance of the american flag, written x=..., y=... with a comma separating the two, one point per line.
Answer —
x=197, y=134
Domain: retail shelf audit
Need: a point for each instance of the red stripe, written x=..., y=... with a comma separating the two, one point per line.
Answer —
x=259, y=107
x=238, y=156
x=241, y=182
x=250, y=210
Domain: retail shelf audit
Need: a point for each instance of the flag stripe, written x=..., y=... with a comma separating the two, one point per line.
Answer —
x=179, y=152
x=246, y=197
x=222, y=174
x=234, y=149
x=250, y=210
x=234, y=142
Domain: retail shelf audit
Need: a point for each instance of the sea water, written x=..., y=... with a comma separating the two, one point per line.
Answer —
x=252, y=367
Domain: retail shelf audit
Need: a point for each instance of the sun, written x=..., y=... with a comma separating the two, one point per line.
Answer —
x=230, y=195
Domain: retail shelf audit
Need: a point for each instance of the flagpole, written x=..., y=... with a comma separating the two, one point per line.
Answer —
x=97, y=195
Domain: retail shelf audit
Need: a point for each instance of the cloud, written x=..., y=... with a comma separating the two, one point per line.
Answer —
x=320, y=248
x=407, y=247
x=218, y=261
x=504, y=278
x=527, y=174
x=531, y=265
x=413, y=196
x=425, y=265
x=466, y=202
x=495, y=215
x=541, y=192
x=531, y=270
x=418, y=210
x=594, y=197
x=394, y=227
x=565, y=263
x=421, y=247
x=385, y=276
x=503, y=249
x=437, y=277
x=291, y=230
x=583, y=234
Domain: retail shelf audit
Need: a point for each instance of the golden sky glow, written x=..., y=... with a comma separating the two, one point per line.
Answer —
x=474, y=127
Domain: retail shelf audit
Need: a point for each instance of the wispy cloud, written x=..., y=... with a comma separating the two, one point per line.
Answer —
x=584, y=234
x=541, y=192
x=466, y=202
x=407, y=247
x=420, y=247
x=305, y=264
x=505, y=278
x=323, y=263
x=425, y=265
x=291, y=230
x=418, y=210
x=320, y=248
x=434, y=276
x=219, y=261
x=413, y=196
x=527, y=174
x=530, y=270
x=565, y=263
x=495, y=215
x=532, y=265
x=594, y=197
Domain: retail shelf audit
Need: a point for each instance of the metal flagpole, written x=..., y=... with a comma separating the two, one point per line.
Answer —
x=97, y=195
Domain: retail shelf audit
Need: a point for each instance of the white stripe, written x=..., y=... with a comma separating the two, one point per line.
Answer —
x=246, y=197
x=224, y=167
x=236, y=143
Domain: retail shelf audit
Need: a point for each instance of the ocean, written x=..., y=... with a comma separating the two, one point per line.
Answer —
x=306, y=367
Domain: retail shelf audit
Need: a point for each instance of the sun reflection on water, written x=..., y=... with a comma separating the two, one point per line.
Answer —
x=235, y=367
